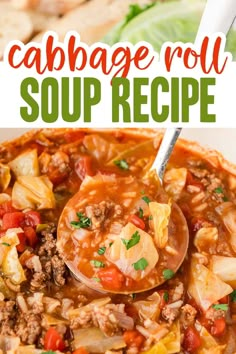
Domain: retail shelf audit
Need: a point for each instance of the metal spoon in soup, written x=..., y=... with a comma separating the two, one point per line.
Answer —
x=122, y=234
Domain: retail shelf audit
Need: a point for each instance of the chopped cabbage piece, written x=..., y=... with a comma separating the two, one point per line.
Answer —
x=4, y=198
x=26, y=164
x=9, y=344
x=95, y=341
x=208, y=343
x=224, y=267
x=30, y=349
x=170, y=344
x=12, y=268
x=205, y=238
x=5, y=177
x=50, y=320
x=173, y=339
x=10, y=239
x=158, y=348
x=149, y=308
x=10, y=263
x=174, y=181
x=125, y=258
x=227, y=211
x=101, y=149
x=5, y=290
x=205, y=287
x=161, y=215
x=33, y=192
x=87, y=308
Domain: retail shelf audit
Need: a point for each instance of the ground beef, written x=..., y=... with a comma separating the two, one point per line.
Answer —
x=7, y=317
x=199, y=172
x=83, y=320
x=170, y=314
x=187, y=315
x=108, y=318
x=53, y=269
x=100, y=213
x=105, y=320
x=213, y=314
x=28, y=327
x=7, y=310
x=58, y=270
x=48, y=246
x=38, y=281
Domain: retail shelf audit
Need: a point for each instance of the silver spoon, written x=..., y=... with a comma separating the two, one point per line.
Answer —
x=168, y=142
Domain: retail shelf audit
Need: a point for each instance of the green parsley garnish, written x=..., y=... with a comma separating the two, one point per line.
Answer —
x=110, y=244
x=168, y=274
x=166, y=296
x=101, y=250
x=150, y=217
x=83, y=222
x=142, y=192
x=97, y=264
x=223, y=307
x=225, y=199
x=6, y=244
x=218, y=190
x=49, y=352
x=140, y=211
x=233, y=296
x=135, y=238
x=96, y=279
x=146, y=199
x=141, y=264
x=122, y=164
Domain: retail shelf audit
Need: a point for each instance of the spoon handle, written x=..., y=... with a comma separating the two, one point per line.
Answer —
x=217, y=17
x=166, y=147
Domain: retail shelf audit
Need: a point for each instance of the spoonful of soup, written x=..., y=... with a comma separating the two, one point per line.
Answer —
x=124, y=234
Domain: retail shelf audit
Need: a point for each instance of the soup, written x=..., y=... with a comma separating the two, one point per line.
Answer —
x=95, y=183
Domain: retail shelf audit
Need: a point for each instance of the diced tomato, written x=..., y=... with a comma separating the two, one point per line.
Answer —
x=32, y=218
x=57, y=177
x=218, y=327
x=22, y=245
x=111, y=278
x=53, y=340
x=73, y=135
x=6, y=207
x=12, y=220
x=164, y=295
x=133, y=338
x=192, y=340
x=134, y=219
x=131, y=311
x=224, y=300
x=193, y=182
x=31, y=236
x=81, y=350
x=84, y=167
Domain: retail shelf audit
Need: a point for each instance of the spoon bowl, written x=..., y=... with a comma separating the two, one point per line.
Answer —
x=92, y=246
